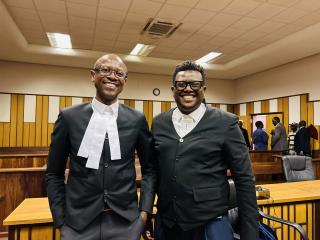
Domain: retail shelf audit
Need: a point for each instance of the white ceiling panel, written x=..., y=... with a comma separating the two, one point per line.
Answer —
x=290, y=15
x=266, y=11
x=307, y=5
x=58, y=28
x=110, y=15
x=86, y=2
x=145, y=7
x=231, y=32
x=122, y=5
x=213, y=5
x=185, y=3
x=241, y=7
x=56, y=6
x=252, y=36
x=198, y=16
x=27, y=14
x=80, y=10
x=53, y=18
x=284, y=3
x=224, y=20
x=173, y=12
x=309, y=19
x=269, y=27
x=246, y=23
x=20, y=3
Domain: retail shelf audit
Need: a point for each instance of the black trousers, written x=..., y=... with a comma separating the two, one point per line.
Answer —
x=107, y=226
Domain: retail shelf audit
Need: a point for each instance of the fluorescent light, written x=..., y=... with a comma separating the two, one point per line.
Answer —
x=59, y=40
x=142, y=49
x=208, y=57
x=137, y=49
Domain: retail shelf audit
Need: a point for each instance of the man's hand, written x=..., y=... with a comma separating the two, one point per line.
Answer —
x=144, y=216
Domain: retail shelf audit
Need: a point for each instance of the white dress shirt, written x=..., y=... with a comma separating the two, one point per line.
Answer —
x=183, y=123
x=103, y=121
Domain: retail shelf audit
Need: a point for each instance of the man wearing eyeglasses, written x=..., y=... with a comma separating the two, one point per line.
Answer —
x=99, y=200
x=194, y=146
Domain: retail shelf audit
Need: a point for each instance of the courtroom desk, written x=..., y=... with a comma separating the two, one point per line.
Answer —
x=297, y=202
x=31, y=220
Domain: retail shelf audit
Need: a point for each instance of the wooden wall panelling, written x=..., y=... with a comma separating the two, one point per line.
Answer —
x=13, y=120
x=304, y=107
x=38, y=121
x=265, y=106
x=1, y=134
x=32, y=134
x=230, y=108
x=20, y=112
x=50, y=130
x=217, y=105
x=165, y=106
x=148, y=111
x=237, y=109
x=130, y=103
x=286, y=113
x=44, y=122
x=280, y=104
x=17, y=186
x=309, y=119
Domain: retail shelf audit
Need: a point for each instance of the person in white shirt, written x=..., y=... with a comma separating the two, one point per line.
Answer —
x=99, y=200
x=194, y=145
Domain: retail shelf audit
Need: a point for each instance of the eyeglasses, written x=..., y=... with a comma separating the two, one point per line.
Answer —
x=194, y=85
x=107, y=71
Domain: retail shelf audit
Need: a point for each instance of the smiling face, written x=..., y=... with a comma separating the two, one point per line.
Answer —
x=188, y=99
x=105, y=77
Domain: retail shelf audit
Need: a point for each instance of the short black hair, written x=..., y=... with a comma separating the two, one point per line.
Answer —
x=188, y=66
x=302, y=123
x=259, y=124
x=277, y=119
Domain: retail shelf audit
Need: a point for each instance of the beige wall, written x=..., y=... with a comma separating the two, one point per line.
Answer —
x=299, y=77
x=64, y=81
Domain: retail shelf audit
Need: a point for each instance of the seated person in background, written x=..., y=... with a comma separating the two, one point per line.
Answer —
x=260, y=138
x=245, y=133
x=291, y=136
x=302, y=140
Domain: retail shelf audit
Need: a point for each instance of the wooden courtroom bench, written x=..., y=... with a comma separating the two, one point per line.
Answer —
x=22, y=173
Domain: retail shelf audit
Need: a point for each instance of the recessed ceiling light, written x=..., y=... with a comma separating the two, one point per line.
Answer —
x=142, y=49
x=59, y=40
x=208, y=57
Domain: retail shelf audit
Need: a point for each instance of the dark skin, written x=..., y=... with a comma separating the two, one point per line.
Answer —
x=109, y=87
x=188, y=100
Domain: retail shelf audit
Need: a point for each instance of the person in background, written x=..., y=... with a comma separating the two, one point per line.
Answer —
x=194, y=147
x=302, y=140
x=245, y=133
x=260, y=137
x=279, y=139
x=291, y=136
x=99, y=200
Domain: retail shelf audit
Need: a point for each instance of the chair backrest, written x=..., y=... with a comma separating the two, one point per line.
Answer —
x=297, y=168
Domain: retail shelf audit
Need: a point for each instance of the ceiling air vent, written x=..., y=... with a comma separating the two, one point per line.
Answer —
x=159, y=28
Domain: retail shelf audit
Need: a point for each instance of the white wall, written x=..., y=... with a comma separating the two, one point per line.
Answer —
x=65, y=81
x=302, y=76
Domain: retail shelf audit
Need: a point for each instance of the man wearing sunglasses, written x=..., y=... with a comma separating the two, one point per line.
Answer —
x=99, y=200
x=194, y=146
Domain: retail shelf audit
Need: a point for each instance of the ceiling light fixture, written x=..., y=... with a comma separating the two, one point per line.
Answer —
x=208, y=57
x=59, y=40
x=142, y=49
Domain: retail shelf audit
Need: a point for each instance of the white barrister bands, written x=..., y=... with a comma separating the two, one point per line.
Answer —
x=103, y=121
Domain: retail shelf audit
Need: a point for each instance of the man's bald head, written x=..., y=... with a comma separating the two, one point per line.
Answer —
x=112, y=58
